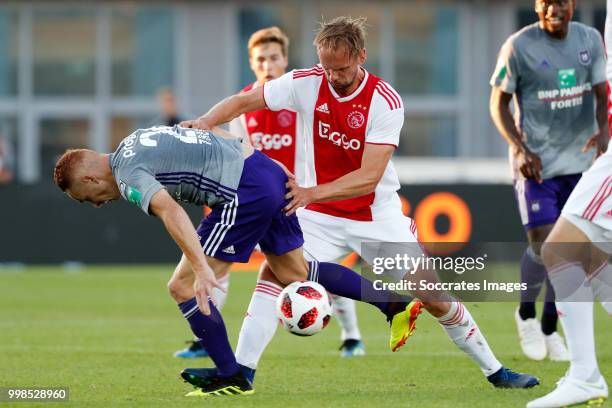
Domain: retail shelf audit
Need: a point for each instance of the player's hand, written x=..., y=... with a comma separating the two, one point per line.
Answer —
x=299, y=196
x=199, y=123
x=529, y=164
x=598, y=141
x=203, y=287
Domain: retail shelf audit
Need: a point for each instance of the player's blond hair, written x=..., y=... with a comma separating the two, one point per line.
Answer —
x=342, y=30
x=269, y=35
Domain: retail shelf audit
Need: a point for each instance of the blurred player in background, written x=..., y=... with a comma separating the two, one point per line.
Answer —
x=555, y=71
x=278, y=135
x=7, y=160
x=168, y=108
x=576, y=254
x=351, y=121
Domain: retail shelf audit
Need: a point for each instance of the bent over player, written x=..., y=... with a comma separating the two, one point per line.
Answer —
x=156, y=167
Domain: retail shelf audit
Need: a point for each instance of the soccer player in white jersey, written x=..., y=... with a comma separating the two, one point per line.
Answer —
x=576, y=256
x=352, y=121
x=276, y=134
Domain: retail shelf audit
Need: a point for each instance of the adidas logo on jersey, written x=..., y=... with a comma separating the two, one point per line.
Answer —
x=545, y=65
x=252, y=122
x=229, y=250
x=323, y=108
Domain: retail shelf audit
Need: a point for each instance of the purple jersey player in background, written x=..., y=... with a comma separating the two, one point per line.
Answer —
x=555, y=71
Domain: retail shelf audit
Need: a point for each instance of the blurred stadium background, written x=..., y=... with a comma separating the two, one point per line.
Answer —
x=87, y=74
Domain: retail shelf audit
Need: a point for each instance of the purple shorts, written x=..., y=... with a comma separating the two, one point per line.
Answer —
x=232, y=230
x=541, y=204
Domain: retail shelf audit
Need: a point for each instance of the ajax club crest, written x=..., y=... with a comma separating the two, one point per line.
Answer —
x=285, y=118
x=355, y=119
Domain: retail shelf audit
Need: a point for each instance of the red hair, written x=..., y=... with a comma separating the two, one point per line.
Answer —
x=65, y=166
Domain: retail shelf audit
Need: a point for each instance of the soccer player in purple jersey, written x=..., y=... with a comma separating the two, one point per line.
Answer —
x=555, y=71
x=157, y=167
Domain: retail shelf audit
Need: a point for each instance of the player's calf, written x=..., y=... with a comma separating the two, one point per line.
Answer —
x=289, y=267
x=436, y=308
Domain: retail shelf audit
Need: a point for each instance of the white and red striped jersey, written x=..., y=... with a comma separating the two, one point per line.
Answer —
x=274, y=133
x=335, y=131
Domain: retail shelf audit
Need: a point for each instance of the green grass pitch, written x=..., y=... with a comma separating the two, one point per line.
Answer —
x=108, y=334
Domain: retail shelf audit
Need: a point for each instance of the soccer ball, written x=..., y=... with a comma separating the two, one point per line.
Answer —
x=304, y=308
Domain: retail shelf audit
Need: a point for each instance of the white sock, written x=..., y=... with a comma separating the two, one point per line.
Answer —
x=601, y=283
x=259, y=325
x=220, y=296
x=464, y=332
x=344, y=311
x=575, y=307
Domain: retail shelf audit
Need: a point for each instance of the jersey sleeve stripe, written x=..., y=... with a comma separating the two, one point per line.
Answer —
x=387, y=97
x=395, y=99
x=382, y=144
x=315, y=68
x=305, y=73
x=391, y=91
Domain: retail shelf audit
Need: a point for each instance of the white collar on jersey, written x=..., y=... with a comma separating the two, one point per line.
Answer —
x=355, y=93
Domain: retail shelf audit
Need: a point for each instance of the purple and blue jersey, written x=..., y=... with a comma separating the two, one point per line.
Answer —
x=247, y=196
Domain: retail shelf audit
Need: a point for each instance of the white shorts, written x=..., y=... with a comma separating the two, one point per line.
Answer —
x=330, y=239
x=589, y=207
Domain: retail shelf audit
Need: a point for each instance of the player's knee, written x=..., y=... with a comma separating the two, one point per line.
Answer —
x=179, y=290
x=548, y=254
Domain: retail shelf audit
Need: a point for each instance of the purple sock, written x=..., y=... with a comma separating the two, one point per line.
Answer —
x=549, y=316
x=533, y=273
x=345, y=282
x=212, y=334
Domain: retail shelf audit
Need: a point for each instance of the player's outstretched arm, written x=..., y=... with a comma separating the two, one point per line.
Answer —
x=224, y=133
x=228, y=109
x=354, y=184
x=181, y=229
x=530, y=164
x=600, y=140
